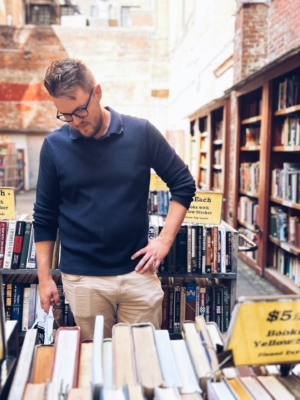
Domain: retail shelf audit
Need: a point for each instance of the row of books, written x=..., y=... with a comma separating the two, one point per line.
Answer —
x=286, y=182
x=22, y=302
x=140, y=363
x=198, y=249
x=17, y=245
x=218, y=156
x=185, y=299
x=288, y=93
x=217, y=179
x=249, y=176
x=279, y=224
x=247, y=210
x=158, y=202
x=290, y=132
x=252, y=109
x=287, y=264
x=252, y=136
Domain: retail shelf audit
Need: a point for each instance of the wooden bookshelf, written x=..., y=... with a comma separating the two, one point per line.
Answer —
x=211, y=127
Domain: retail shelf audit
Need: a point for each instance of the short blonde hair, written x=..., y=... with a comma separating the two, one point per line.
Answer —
x=65, y=75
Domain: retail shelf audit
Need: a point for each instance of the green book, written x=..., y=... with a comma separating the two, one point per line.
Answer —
x=25, y=246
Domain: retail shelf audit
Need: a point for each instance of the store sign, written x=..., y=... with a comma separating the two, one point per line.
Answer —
x=265, y=331
x=205, y=208
x=7, y=203
x=156, y=183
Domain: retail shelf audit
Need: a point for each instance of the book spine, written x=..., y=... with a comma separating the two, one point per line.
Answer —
x=181, y=249
x=8, y=301
x=197, y=300
x=213, y=304
x=219, y=296
x=25, y=307
x=194, y=249
x=165, y=307
x=32, y=305
x=215, y=249
x=219, y=251
x=229, y=250
x=31, y=257
x=208, y=250
x=171, y=310
x=18, y=243
x=204, y=249
x=202, y=305
x=9, y=244
x=176, y=328
x=16, y=311
x=3, y=232
x=24, y=253
x=190, y=308
x=189, y=249
x=199, y=249
x=182, y=305
x=208, y=303
x=226, y=308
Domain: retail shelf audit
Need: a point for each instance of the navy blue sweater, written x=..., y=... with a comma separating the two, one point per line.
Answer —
x=96, y=192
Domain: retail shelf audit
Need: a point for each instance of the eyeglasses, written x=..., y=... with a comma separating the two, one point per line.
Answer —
x=81, y=112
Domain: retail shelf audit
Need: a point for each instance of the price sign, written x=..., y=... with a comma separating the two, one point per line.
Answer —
x=7, y=203
x=205, y=208
x=265, y=331
x=156, y=183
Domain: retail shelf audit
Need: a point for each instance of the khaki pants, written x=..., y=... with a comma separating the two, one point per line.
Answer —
x=129, y=298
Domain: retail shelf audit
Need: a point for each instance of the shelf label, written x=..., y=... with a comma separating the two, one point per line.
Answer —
x=285, y=246
x=287, y=203
x=156, y=183
x=289, y=148
x=265, y=331
x=205, y=208
x=7, y=203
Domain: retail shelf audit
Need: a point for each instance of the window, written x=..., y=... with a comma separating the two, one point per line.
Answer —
x=125, y=17
x=66, y=10
x=40, y=15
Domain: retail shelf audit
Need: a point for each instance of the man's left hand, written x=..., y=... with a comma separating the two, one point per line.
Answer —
x=154, y=253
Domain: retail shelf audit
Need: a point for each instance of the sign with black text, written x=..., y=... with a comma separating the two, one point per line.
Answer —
x=156, y=183
x=7, y=203
x=205, y=208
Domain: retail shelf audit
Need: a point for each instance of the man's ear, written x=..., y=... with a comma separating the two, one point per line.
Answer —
x=98, y=91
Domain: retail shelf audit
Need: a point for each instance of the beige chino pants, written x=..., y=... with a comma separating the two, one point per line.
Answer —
x=129, y=298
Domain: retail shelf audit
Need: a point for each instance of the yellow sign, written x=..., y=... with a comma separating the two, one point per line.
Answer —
x=265, y=330
x=205, y=208
x=7, y=203
x=156, y=183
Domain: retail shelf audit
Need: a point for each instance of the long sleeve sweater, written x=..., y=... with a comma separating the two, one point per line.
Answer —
x=96, y=192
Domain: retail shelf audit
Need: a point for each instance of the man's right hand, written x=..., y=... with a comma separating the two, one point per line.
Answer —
x=48, y=294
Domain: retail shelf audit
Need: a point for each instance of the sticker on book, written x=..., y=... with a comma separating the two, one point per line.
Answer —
x=205, y=208
x=7, y=203
x=156, y=183
x=265, y=331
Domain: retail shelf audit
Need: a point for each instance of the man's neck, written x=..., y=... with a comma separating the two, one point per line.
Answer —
x=105, y=123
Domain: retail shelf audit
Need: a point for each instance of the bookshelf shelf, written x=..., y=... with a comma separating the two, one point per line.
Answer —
x=248, y=226
x=286, y=203
x=250, y=148
x=251, y=120
x=250, y=194
x=285, y=246
x=285, y=148
x=288, y=110
x=8, y=271
x=194, y=275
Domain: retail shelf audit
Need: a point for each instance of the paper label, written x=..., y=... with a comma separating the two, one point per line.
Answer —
x=266, y=333
x=156, y=183
x=7, y=203
x=205, y=208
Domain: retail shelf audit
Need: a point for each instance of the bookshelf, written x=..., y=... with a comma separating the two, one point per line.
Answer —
x=275, y=99
x=8, y=165
x=209, y=129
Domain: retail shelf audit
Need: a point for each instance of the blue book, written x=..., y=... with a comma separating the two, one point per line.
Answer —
x=16, y=310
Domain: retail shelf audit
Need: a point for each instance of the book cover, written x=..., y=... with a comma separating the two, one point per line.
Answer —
x=18, y=243
x=24, y=253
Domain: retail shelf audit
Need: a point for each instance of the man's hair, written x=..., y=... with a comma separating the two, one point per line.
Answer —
x=65, y=75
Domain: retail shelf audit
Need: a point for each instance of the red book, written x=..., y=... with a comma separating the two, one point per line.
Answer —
x=18, y=243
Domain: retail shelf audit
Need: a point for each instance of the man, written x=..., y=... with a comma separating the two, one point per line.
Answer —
x=93, y=184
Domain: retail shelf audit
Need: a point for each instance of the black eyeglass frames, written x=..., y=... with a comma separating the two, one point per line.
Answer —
x=81, y=112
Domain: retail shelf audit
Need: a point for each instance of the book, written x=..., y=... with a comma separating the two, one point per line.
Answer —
x=9, y=243
x=190, y=309
x=83, y=393
x=220, y=391
x=25, y=307
x=32, y=304
x=3, y=233
x=167, y=361
x=85, y=364
x=24, y=252
x=18, y=243
x=197, y=353
x=97, y=371
x=165, y=307
x=42, y=364
x=17, y=300
x=135, y=392
x=147, y=360
x=31, y=255
x=291, y=383
x=123, y=356
x=168, y=393
x=181, y=249
x=208, y=250
x=22, y=372
x=66, y=357
x=107, y=363
x=240, y=390
x=255, y=388
x=276, y=389
x=34, y=391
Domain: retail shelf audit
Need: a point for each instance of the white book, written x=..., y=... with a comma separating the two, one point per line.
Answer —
x=275, y=388
x=107, y=364
x=169, y=369
x=170, y=393
x=31, y=257
x=97, y=372
x=9, y=246
x=114, y=394
x=185, y=368
x=220, y=390
x=223, y=249
x=255, y=388
x=25, y=308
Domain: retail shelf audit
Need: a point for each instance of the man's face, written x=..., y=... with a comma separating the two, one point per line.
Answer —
x=90, y=125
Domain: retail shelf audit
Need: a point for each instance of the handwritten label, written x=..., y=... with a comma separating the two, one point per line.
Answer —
x=266, y=332
x=205, y=208
x=7, y=203
x=156, y=183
